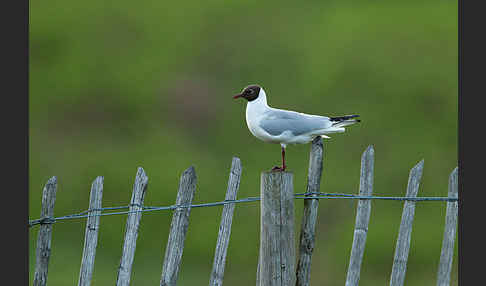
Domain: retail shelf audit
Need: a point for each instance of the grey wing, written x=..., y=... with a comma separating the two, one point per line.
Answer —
x=278, y=121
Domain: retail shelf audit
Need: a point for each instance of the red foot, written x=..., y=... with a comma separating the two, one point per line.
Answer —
x=277, y=168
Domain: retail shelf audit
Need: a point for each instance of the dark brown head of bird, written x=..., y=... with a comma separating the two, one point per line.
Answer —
x=249, y=93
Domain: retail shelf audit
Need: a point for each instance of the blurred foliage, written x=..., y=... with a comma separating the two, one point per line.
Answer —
x=115, y=85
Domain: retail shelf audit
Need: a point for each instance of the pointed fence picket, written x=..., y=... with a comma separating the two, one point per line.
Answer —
x=91, y=235
x=405, y=233
x=445, y=264
x=43, y=250
x=131, y=228
x=225, y=226
x=279, y=263
x=362, y=217
x=309, y=218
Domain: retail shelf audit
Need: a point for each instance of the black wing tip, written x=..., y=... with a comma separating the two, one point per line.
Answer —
x=346, y=117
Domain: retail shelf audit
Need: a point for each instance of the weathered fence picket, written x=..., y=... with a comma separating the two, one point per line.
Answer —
x=43, y=250
x=362, y=217
x=131, y=228
x=91, y=233
x=402, y=247
x=447, y=252
x=178, y=228
x=277, y=248
x=224, y=233
x=309, y=218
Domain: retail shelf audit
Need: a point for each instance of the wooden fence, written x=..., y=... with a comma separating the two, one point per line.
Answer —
x=278, y=263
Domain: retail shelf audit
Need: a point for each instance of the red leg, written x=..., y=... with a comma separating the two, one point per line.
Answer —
x=277, y=168
x=283, y=159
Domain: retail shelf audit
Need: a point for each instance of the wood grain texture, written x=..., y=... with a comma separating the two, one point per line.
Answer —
x=131, y=228
x=178, y=228
x=447, y=252
x=404, y=235
x=91, y=233
x=362, y=217
x=43, y=249
x=224, y=232
x=277, y=243
x=309, y=218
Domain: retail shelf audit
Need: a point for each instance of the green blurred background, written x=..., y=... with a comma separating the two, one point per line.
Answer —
x=115, y=85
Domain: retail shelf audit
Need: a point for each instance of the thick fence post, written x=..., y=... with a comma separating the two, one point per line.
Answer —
x=178, y=228
x=225, y=227
x=131, y=228
x=277, y=248
x=447, y=252
x=362, y=217
x=43, y=250
x=309, y=218
x=91, y=233
x=403, y=242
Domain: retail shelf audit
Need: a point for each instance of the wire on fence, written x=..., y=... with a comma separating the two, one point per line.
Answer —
x=312, y=195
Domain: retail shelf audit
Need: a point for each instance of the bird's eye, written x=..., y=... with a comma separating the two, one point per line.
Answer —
x=250, y=91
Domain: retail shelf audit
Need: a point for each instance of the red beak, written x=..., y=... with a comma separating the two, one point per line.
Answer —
x=238, y=95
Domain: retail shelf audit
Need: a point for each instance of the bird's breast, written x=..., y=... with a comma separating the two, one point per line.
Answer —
x=253, y=122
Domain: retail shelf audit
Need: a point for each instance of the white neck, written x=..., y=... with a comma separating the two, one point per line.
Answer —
x=261, y=100
x=255, y=109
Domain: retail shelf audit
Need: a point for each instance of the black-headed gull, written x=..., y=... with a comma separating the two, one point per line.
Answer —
x=287, y=127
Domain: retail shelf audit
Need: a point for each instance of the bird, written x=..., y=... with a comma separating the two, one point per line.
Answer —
x=286, y=127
